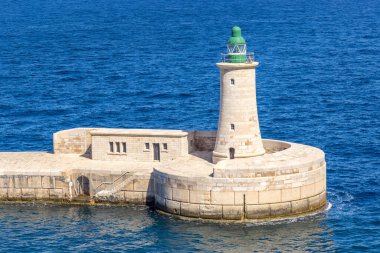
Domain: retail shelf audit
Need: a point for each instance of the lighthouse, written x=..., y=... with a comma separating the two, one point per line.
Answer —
x=238, y=134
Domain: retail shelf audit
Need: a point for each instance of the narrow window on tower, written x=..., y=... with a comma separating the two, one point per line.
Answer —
x=124, y=147
x=111, y=147
x=233, y=127
x=118, y=147
x=232, y=81
x=147, y=146
x=165, y=146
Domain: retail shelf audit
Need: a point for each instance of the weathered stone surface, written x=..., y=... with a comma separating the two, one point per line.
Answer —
x=222, y=198
x=142, y=184
x=28, y=194
x=164, y=191
x=173, y=207
x=181, y=195
x=211, y=211
x=320, y=186
x=307, y=191
x=280, y=209
x=149, y=197
x=55, y=194
x=190, y=210
x=134, y=197
x=204, y=140
x=47, y=182
x=34, y=182
x=60, y=182
x=200, y=197
x=4, y=181
x=72, y=141
x=42, y=194
x=236, y=130
x=135, y=139
x=14, y=194
x=300, y=206
x=3, y=193
x=21, y=181
x=289, y=194
x=266, y=197
x=250, y=198
x=159, y=202
x=232, y=212
x=257, y=211
x=317, y=201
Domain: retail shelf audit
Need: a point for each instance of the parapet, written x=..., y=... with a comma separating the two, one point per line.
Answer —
x=72, y=141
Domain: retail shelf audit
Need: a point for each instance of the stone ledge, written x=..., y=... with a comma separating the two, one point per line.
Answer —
x=238, y=212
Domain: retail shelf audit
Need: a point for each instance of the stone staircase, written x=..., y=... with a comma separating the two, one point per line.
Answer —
x=107, y=191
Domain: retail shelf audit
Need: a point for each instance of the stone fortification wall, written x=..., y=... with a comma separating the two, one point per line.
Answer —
x=204, y=140
x=139, y=189
x=33, y=187
x=72, y=141
x=288, y=180
x=239, y=198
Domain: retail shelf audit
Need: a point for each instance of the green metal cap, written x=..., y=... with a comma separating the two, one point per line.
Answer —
x=236, y=37
x=236, y=46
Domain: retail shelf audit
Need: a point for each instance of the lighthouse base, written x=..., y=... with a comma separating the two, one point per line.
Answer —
x=289, y=179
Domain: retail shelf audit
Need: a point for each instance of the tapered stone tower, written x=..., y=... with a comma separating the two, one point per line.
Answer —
x=238, y=133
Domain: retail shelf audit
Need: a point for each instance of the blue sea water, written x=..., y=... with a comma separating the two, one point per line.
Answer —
x=151, y=64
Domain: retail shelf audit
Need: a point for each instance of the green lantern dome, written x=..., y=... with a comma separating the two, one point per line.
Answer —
x=236, y=37
x=237, y=49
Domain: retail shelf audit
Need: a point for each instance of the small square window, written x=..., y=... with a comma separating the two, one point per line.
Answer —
x=147, y=146
x=117, y=147
x=124, y=147
x=233, y=127
x=232, y=81
x=165, y=146
x=111, y=147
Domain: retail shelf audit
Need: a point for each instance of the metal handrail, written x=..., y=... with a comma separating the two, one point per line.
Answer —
x=111, y=183
x=249, y=57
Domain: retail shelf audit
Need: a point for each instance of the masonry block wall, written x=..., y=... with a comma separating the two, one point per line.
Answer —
x=138, y=148
x=33, y=187
x=72, y=141
x=56, y=188
x=289, y=180
x=204, y=140
x=236, y=199
x=238, y=127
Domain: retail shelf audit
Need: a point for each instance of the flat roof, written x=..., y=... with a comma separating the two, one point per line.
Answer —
x=138, y=132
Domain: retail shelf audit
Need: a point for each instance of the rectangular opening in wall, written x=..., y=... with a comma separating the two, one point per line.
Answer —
x=156, y=152
x=118, y=147
x=165, y=146
x=233, y=127
x=124, y=147
x=111, y=147
x=147, y=147
x=232, y=81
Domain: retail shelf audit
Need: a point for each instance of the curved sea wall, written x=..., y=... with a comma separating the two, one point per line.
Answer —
x=290, y=181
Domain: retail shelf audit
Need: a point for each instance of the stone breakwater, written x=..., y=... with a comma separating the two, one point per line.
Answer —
x=283, y=183
x=289, y=179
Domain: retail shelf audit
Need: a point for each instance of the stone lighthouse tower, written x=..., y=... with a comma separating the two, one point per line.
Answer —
x=238, y=133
